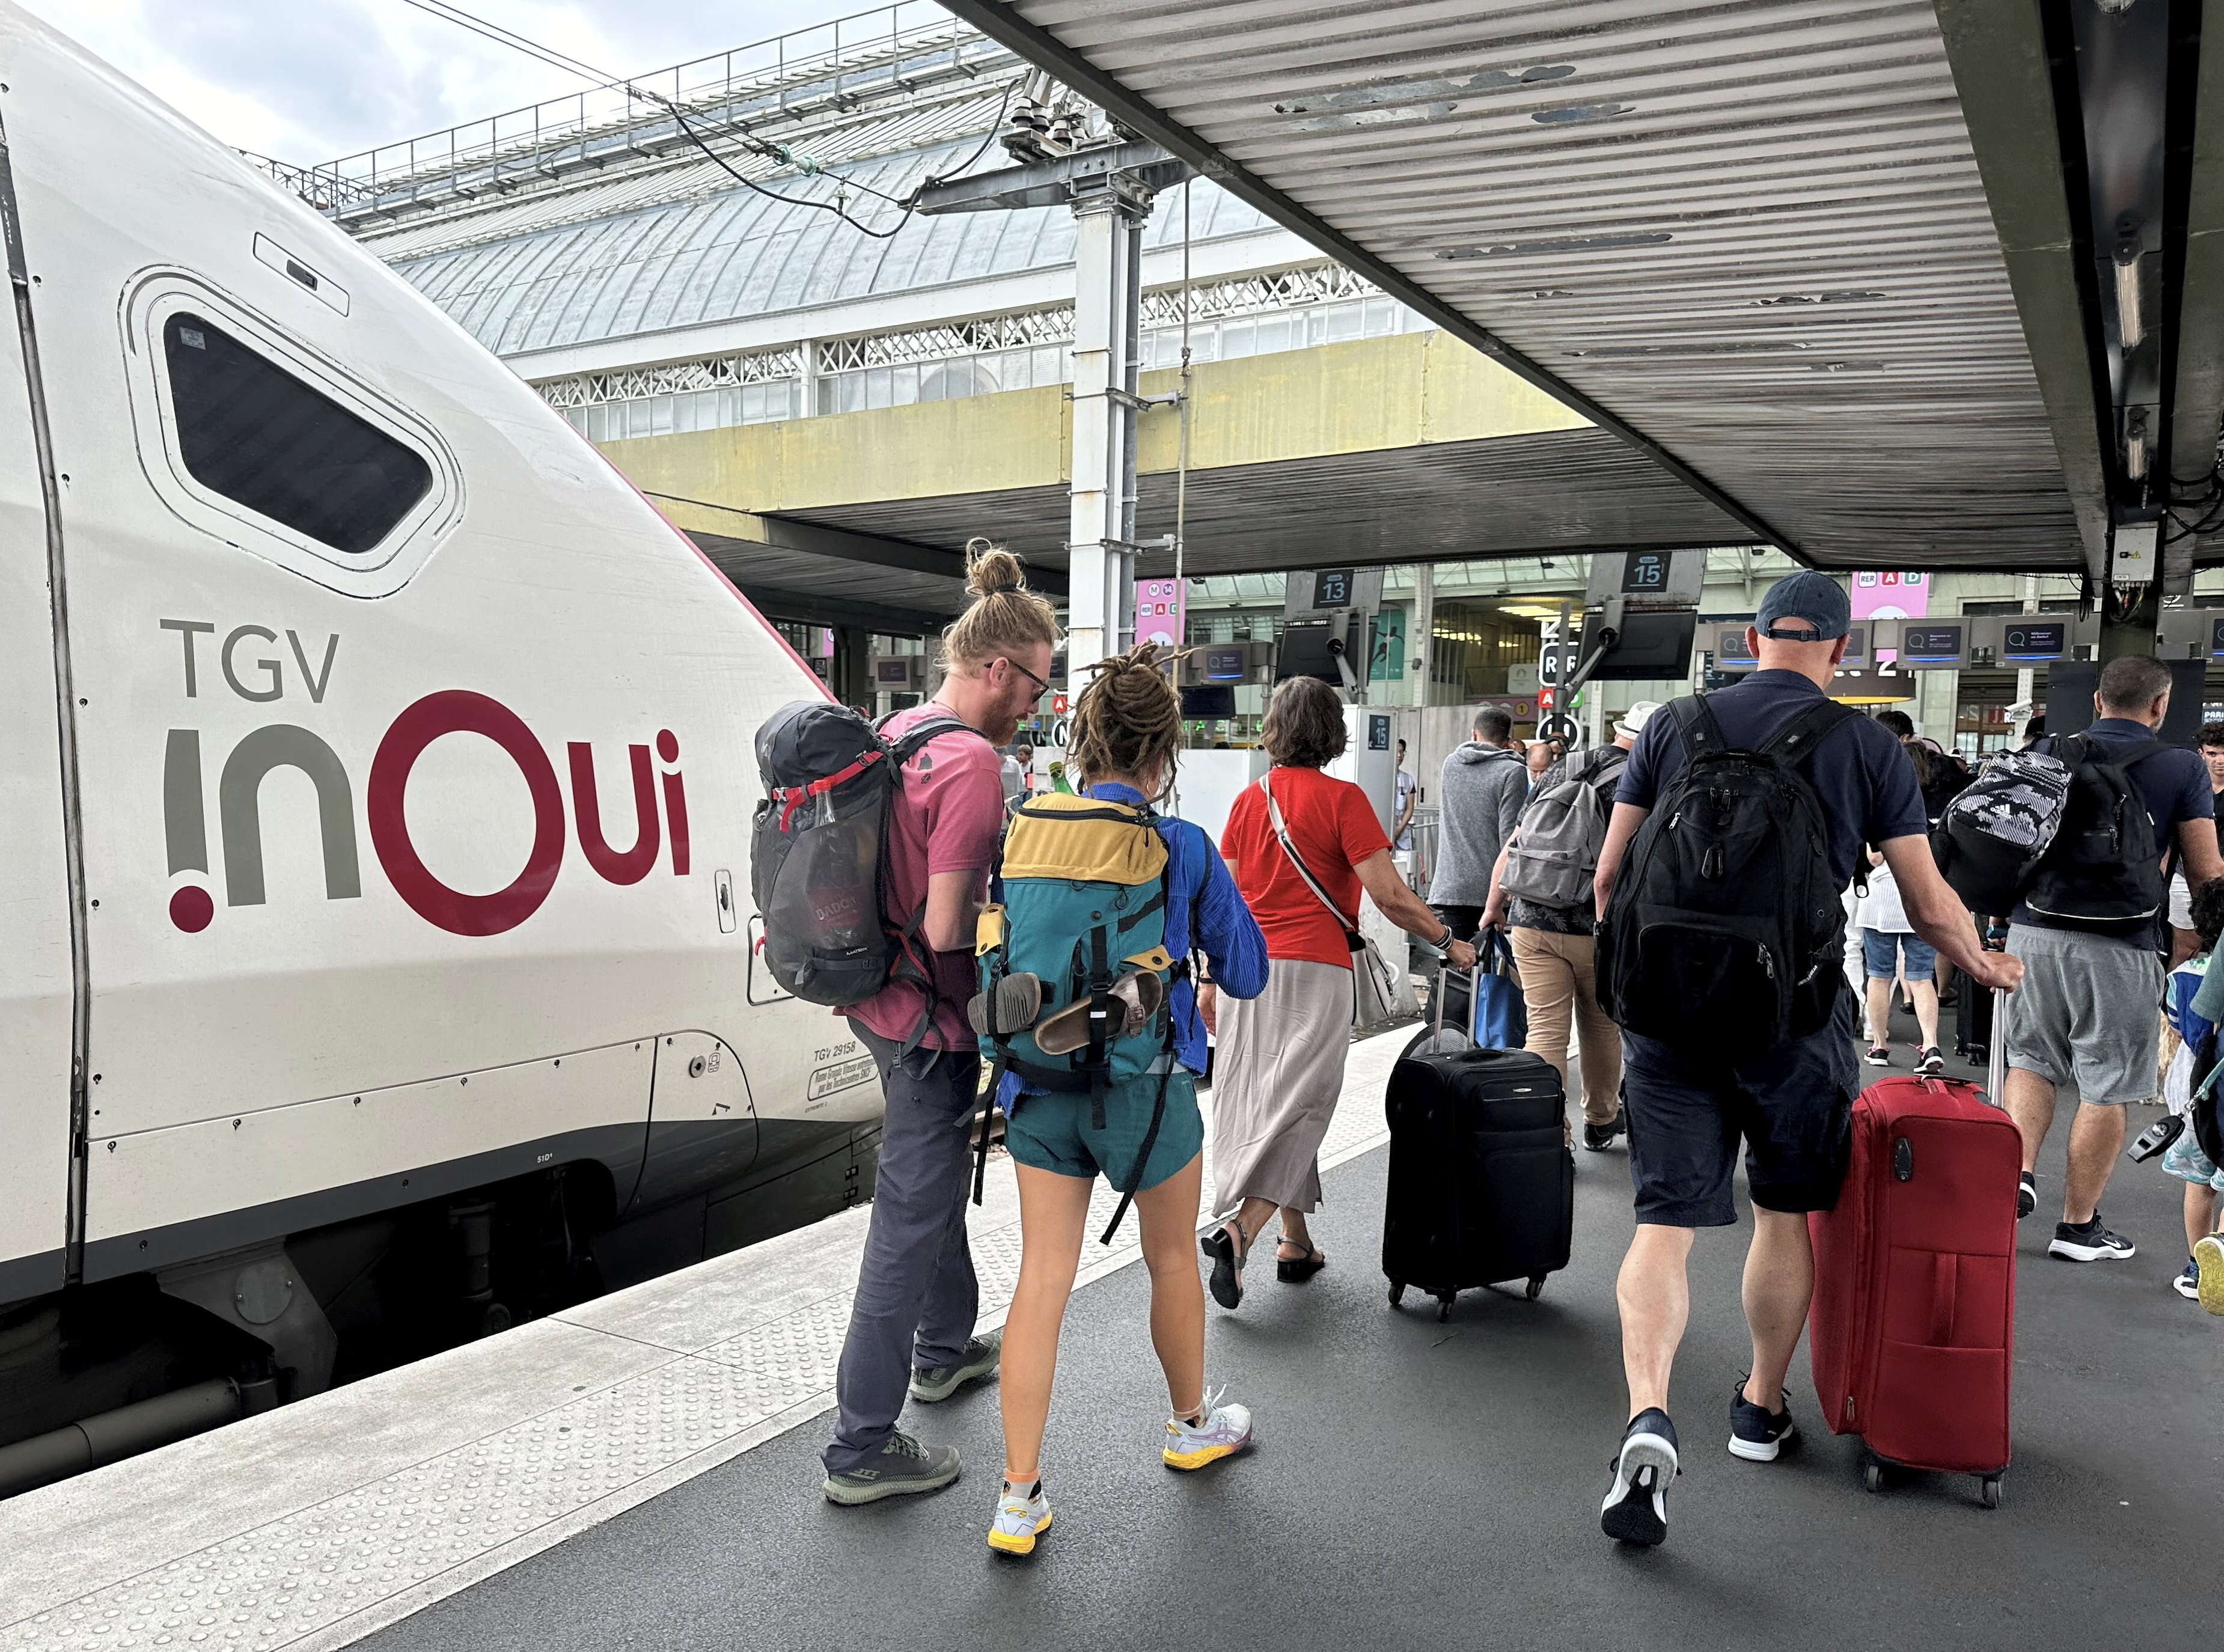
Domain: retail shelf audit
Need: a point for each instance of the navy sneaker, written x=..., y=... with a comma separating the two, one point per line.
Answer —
x=1636, y=1506
x=1757, y=1433
x=2188, y=1284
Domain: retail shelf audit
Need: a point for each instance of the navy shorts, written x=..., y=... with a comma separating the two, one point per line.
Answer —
x=1688, y=1108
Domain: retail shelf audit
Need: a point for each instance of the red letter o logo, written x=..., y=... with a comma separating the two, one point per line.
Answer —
x=453, y=711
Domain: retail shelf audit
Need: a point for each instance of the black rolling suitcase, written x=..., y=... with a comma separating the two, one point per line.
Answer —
x=1483, y=1183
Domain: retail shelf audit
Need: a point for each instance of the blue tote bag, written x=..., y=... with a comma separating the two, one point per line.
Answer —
x=1501, y=1020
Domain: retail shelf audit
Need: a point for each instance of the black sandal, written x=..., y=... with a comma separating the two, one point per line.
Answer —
x=1228, y=1260
x=1295, y=1270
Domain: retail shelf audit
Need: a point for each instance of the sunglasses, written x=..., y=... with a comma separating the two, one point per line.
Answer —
x=1041, y=686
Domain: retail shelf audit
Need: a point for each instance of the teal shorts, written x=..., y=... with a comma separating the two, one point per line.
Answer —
x=1050, y=1132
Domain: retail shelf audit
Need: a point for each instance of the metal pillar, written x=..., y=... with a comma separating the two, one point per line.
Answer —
x=1109, y=187
x=1108, y=306
x=2027, y=679
x=1420, y=653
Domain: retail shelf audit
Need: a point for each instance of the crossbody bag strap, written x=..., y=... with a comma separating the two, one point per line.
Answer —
x=1282, y=837
x=1805, y=729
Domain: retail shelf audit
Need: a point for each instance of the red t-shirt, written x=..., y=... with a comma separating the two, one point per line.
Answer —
x=1334, y=828
x=947, y=818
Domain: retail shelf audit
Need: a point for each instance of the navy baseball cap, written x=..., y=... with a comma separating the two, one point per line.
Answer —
x=1807, y=596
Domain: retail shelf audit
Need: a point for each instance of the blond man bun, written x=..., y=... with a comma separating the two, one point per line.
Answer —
x=1005, y=615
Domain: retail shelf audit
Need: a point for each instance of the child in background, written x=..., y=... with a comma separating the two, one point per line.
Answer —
x=1890, y=947
x=2194, y=1004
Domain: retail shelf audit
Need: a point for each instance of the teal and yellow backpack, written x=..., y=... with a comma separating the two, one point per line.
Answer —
x=1074, y=967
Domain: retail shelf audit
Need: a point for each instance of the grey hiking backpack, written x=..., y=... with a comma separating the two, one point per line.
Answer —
x=1556, y=843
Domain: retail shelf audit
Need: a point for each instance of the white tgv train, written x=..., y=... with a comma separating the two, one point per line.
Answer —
x=375, y=788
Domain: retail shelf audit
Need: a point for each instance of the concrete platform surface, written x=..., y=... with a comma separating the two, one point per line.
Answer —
x=642, y=1471
x=1423, y=1486
x=311, y=1526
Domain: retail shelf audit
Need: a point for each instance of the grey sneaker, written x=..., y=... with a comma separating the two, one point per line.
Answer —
x=932, y=1386
x=903, y=1466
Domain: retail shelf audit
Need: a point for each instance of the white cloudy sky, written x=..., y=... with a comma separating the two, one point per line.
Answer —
x=309, y=80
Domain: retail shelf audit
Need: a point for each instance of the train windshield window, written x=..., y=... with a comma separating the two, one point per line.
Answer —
x=252, y=431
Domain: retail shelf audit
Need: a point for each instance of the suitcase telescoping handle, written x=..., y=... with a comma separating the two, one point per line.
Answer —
x=1444, y=972
x=1996, y=1049
x=1996, y=1046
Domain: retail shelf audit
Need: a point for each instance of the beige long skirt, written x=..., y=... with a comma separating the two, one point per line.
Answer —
x=1275, y=1080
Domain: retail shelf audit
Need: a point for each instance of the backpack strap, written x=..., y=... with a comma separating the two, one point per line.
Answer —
x=1606, y=763
x=1695, y=727
x=912, y=949
x=1150, y=1136
x=905, y=746
x=996, y=1072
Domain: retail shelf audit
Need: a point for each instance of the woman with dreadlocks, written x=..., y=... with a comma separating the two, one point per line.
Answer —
x=1125, y=729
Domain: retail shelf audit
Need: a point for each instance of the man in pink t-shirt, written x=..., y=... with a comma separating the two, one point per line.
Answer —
x=946, y=821
x=910, y=1327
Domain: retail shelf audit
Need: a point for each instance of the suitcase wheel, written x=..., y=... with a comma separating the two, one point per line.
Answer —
x=1873, y=1475
x=1535, y=1287
x=1396, y=1292
x=1444, y=1305
x=1988, y=1491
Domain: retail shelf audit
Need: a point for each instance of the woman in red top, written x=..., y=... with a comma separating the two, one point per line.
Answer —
x=1279, y=1065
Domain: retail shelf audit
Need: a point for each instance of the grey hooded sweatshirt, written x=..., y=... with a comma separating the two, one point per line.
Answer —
x=1479, y=798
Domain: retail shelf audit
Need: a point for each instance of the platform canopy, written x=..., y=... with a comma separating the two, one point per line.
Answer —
x=1833, y=266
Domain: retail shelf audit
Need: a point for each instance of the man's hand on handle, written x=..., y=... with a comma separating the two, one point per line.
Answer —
x=2001, y=969
x=1939, y=917
x=1460, y=955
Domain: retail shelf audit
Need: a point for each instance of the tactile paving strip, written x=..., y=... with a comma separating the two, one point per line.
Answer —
x=341, y=1567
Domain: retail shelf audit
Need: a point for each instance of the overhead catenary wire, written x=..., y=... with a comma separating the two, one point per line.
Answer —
x=501, y=35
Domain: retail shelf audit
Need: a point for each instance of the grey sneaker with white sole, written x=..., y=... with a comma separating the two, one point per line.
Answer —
x=932, y=1385
x=903, y=1467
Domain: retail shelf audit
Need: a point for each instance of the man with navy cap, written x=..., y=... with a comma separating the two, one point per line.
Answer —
x=1688, y=1104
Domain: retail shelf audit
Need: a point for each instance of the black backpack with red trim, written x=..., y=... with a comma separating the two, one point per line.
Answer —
x=819, y=853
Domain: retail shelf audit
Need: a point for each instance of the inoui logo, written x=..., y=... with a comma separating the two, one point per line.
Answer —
x=449, y=711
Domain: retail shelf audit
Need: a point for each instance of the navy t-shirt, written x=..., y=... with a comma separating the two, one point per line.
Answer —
x=2175, y=783
x=1864, y=781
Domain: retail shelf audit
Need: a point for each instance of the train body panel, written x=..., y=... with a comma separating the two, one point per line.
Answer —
x=35, y=991
x=416, y=747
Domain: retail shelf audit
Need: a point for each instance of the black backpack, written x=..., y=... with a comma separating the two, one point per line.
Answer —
x=1727, y=919
x=1991, y=839
x=818, y=861
x=2103, y=873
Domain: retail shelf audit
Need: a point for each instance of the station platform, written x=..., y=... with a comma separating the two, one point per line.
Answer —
x=642, y=1470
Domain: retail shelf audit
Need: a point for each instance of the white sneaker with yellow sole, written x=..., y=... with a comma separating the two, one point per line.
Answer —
x=1224, y=1431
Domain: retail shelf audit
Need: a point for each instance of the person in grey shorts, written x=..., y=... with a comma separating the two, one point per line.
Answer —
x=2088, y=1014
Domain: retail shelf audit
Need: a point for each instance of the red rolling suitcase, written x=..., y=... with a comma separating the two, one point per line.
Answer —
x=1914, y=1327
